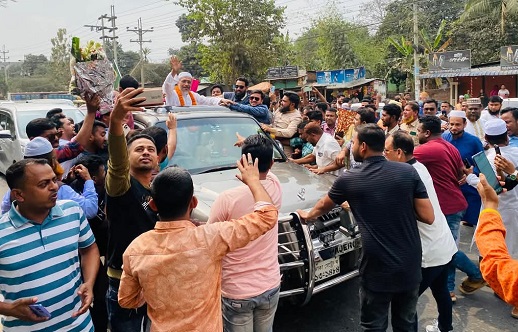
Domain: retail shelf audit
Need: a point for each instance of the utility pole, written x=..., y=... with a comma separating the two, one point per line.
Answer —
x=417, y=85
x=139, y=31
x=4, y=52
x=114, y=36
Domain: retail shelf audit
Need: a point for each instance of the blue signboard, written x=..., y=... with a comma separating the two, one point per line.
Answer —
x=340, y=75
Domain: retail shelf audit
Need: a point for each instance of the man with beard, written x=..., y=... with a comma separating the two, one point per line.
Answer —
x=390, y=118
x=130, y=169
x=410, y=120
x=474, y=125
x=468, y=145
x=329, y=126
x=285, y=121
x=510, y=116
x=240, y=94
x=445, y=165
x=390, y=270
x=445, y=108
x=492, y=111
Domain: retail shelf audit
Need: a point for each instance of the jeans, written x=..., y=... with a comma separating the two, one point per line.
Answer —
x=436, y=278
x=460, y=260
x=255, y=314
x=374, y=307
x=124, y=320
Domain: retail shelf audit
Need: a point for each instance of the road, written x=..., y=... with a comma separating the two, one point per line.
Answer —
x=337, y=309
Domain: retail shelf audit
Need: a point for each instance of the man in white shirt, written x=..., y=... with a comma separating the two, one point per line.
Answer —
x=492, y=111
x=474, y=125
x=437, y=242
x=325, y=151
x=503, y=92
x=177, y=89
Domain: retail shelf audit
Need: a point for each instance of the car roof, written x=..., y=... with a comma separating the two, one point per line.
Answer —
x=37, y=105
x=150, y=117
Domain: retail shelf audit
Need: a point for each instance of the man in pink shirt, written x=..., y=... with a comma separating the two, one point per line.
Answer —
x=176, y=267
x=251, y=277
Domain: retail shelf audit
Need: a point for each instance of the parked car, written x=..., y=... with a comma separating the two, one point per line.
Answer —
x=14, y=117
x=510, y=102
x=312, y=257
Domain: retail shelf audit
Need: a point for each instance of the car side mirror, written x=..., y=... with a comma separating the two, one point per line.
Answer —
x=6, y=134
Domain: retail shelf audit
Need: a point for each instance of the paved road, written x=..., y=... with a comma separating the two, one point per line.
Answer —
x=337, y=309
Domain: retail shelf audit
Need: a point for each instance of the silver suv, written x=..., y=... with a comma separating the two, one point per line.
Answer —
x=14, y=117
x=312, y=258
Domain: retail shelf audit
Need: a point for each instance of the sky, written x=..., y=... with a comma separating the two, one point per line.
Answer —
x=27, y=26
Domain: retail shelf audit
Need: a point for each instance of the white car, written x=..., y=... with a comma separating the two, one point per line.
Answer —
x=14, y=117
x=510, y=102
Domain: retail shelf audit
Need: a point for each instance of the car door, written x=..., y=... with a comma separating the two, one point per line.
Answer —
x=10, y=150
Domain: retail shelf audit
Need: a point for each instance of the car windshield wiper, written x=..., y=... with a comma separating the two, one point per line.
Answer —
x=216, y=169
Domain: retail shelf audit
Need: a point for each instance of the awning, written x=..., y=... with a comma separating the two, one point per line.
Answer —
x=202, y=87
x=350, y=85
x=483, y=71
x=263, y=86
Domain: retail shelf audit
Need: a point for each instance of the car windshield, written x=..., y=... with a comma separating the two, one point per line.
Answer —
x=24, y=117
x=207, y=144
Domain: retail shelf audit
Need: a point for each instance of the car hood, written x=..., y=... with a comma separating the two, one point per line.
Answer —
x=301, y=189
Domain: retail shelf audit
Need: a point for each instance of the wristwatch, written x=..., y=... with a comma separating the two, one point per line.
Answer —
x=514, y=175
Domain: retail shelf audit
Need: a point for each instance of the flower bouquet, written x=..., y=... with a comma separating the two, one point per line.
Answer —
x=92, y=73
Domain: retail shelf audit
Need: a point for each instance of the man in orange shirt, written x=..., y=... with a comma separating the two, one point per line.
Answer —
x=176, y=268
x=497, y=266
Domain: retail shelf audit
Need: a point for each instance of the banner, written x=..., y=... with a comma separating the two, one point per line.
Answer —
x=340, y=76
x=509, y=57
x=449, y=61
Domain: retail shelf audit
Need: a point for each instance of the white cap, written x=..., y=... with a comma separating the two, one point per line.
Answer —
x=184, y=74
x=37, y=147
x=457, y=114
x=495, y=127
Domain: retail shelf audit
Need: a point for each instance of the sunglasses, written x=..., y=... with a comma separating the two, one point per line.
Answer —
x=240, y=86
x=255, y=98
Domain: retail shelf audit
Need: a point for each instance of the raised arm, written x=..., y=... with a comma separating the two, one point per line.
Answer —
x=171, y=124
x=117, y=177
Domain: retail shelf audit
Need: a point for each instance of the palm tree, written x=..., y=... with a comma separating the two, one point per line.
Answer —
x=500, y=8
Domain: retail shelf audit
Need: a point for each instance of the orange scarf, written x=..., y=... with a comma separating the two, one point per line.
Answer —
x=180, y=97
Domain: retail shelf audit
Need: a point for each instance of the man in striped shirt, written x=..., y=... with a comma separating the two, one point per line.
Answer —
x=40, y=243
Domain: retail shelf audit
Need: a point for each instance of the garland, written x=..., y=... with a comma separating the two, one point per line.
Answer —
x=180, y=97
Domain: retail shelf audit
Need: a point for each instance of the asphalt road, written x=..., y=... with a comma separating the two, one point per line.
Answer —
x=337, y=309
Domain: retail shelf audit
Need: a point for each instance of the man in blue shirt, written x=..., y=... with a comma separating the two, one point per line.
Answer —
x=510, y=116
x=255, y=108
x=468, y=145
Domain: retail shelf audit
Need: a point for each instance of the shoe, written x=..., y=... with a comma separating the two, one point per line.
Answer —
x=514, y=313
x=469, y=286
x=434, y=327
x=453, y=297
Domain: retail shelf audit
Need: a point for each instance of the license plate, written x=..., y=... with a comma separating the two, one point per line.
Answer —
x=327, y=268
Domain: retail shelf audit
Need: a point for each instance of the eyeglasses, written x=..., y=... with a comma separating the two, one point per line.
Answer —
x=255, y=98
x=240, y=86
x=387, y=151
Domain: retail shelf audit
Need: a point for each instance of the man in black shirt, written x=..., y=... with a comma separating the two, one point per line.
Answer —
x=385, y=198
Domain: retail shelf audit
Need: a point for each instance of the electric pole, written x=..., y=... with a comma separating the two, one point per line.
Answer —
x=114, y=36
x=140, y=32
x=4, y=52
x=417, y=87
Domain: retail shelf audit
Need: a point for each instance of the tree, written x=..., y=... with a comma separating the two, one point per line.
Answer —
x=60, y=60
x=404, y=63
x=128, y=62
x=238, y=36
x=35, y=65
x=502, y=9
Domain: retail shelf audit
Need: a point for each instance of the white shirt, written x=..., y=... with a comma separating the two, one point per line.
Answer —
x=436, y=239
x=171, y=97
x=486, y=116
x=503, y=93
x=325, y=152
x=475, y=128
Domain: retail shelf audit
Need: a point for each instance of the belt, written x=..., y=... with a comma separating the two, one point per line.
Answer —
x=114, y=273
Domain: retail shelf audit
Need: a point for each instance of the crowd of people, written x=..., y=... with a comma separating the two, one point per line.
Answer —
x=96, y=233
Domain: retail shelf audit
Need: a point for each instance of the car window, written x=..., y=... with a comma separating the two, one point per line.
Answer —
x=24, y=117
x=208, y=143
x=6, y=123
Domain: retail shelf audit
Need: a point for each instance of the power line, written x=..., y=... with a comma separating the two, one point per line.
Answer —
x=140, y=32
x=4, y=52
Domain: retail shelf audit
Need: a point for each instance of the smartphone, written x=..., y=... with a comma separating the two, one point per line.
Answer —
x=466, y=162
x=497, y=149
x=485, y=168
x=39, y=310
x=153, y=97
